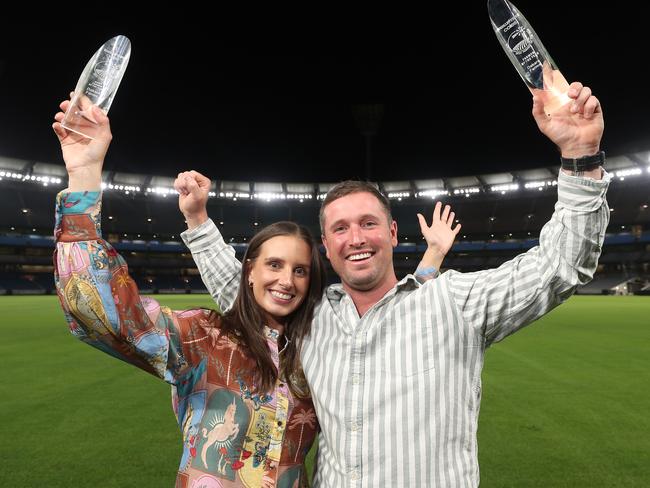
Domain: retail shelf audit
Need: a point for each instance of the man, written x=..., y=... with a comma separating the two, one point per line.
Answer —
x=395, y=366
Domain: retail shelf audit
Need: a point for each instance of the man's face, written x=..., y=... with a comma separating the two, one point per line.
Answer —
x=359, y=241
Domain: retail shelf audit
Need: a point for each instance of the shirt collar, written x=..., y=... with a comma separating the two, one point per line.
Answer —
x=409, y=282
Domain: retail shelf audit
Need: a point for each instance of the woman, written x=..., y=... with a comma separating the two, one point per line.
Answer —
x=240, y=399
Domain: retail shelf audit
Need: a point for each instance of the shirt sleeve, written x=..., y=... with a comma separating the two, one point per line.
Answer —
x=501, y=301
x=101, y=301
x=219, y=268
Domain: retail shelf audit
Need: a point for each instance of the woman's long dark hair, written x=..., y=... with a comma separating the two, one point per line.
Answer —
x=245, y=319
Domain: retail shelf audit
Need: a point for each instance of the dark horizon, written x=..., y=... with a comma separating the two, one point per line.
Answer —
x=266, y=108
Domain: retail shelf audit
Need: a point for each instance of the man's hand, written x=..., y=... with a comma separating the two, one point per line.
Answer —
x=193, y=189
x=83, y=157
x=577, y=127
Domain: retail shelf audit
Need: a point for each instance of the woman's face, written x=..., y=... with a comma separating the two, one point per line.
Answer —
x=280, y=276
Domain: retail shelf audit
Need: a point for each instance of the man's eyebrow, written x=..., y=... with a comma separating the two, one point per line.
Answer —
x=362, y=217
x=338, y=222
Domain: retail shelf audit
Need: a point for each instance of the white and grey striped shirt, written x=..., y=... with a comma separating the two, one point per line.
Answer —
x=397, y=391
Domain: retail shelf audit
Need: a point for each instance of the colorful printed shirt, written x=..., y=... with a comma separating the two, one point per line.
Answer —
x=232, y=437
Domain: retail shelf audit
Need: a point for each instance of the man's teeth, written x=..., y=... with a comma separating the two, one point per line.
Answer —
x=283, y=296
x=356, y=257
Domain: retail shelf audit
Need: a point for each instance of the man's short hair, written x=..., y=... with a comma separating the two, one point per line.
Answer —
x=349, y=187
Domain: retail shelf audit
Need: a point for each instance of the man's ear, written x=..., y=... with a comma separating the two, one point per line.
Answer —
x=393, y=233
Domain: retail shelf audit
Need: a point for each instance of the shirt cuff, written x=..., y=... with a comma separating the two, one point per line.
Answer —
x=203, y=237
x=581, y=193
x=78, y=216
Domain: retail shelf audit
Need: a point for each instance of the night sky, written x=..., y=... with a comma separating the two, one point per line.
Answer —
x=283, y=102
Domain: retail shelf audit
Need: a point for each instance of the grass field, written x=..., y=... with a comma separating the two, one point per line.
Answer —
x=566, y=403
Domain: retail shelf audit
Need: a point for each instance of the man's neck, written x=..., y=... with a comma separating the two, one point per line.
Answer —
x=364, y=299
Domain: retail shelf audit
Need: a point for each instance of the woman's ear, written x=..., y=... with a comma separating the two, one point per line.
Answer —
x=248, y=269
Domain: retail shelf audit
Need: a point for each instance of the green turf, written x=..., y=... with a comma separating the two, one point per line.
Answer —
x=565, y=403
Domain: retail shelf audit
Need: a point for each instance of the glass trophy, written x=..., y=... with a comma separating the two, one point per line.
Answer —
x=528, y=55
x=97, y=85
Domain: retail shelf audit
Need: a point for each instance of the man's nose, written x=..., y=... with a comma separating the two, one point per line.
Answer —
x=356, y=236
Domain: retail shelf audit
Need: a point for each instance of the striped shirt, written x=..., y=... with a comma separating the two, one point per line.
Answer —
x=397, y=391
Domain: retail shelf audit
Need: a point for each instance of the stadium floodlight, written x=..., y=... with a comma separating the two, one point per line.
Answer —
x=46, y=180
x=399, y=194
x=467, y=191
x=540, y=185
x=267, y=192
x=433, y=194
x=300, y=196
x=234, y=195
x=12, y=175
x=299, y=191
x=269, y=196
x=161, y=190
x=623, y=173
x=505, y=188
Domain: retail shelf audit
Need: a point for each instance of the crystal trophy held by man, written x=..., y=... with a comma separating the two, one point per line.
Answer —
x=528, y=55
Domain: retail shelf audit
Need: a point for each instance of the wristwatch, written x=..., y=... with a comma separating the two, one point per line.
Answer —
x=585, y=163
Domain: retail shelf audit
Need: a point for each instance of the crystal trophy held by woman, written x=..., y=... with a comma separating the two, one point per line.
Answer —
x=97, y=85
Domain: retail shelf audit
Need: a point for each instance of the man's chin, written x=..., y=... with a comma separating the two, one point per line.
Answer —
x=361, y=282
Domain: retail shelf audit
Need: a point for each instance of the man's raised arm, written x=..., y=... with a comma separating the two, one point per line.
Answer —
x=219, y=268
x=500, y=301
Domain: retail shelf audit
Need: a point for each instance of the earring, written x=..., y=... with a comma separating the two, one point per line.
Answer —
x=250, y=283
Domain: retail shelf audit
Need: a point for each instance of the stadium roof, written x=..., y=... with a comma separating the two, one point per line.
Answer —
x=621, y=167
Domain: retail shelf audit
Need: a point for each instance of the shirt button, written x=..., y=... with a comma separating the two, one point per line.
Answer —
x=354, y=476
x=356, y=379
x=354, y=426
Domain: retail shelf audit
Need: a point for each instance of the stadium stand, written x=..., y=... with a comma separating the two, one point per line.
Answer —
x=501, y=216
